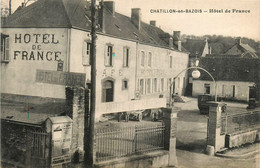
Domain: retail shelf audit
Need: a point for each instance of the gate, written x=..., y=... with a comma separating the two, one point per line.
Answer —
x=38, y=145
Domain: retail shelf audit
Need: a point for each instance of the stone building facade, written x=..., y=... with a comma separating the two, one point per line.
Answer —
x=136, y=61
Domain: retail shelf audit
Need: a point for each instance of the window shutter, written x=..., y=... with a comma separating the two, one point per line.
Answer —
x=7, y=49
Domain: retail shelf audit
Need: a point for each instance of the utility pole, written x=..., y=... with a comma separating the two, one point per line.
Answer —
x=89, y=160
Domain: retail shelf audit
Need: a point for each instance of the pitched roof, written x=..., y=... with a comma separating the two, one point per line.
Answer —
x=76, y=13
x=195, y=47
x=244, y=50
x=230, y=69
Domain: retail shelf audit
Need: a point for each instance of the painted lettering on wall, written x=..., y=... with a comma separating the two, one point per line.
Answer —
x=37, y=43
x=112, y=72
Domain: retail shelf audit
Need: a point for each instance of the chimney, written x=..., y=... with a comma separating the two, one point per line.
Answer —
x=176, y=39
x=136, y=17
x=110, y=5
x=170, y=42
x=153, y=22
x=239, y=41
x=101, y=17
x=179, y=45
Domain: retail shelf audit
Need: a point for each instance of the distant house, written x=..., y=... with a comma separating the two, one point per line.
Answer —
x=234, y=77
x=197, y=49
x=241, y=50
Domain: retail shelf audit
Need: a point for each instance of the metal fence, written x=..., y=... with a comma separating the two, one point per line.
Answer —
x=38, y=144
x=239, y=122
x=116, y=143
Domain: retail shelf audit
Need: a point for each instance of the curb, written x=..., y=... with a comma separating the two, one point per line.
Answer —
x=238, y=156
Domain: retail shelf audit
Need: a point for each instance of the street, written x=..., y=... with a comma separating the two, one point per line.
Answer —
x=191, y=141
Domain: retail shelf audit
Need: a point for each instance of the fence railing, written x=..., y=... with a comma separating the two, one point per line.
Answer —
x=116, y=143
x=239, y=122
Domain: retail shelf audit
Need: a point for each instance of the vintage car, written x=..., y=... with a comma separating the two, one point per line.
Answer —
x=203, y=104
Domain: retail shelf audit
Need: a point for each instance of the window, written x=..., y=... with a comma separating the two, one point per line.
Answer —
x=223, y=90
x=179, y=82
x=169, y=83
x=107, y=91
x=150, y=59
x=4, y=48
x=141, y=86
x=162, y=84
x=126, y=57
x=142, y=58
x=86, y=53
x=109, y=55
x=125, y=84
x=170, y=61
x=206, y=88
x=155, y=85
x=234, y=90
x=148, y=86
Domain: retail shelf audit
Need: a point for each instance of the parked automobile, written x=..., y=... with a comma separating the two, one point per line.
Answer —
x=203, y=104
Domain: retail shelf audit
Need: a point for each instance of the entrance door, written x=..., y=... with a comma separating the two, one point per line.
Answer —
x=108, y=91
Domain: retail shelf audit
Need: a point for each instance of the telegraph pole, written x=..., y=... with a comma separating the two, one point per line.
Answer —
x=89, y=158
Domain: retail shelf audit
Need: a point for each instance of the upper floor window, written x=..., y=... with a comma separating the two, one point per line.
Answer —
x=5, y=48
x=150, y=59
x=109, y=55
x=142, y=58
x=86, y=53
x=126, y=57
x=170, y=61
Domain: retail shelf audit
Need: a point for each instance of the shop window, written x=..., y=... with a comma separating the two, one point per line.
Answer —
x=109, y=55
x=234, y=91
x=126, y=57
x=150, y=59
x=125, y=84
x=86, y=53
x=206, y=88
x=148, y=86
x=141, y=86
x=155, y=85
x=162, y=84
x=5, y=48
x=170, y=61
x=108, y=91
x=142, y=58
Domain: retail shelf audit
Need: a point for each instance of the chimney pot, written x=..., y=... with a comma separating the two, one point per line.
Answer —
x=239, y=41
x=153, y=22
x=136, y=17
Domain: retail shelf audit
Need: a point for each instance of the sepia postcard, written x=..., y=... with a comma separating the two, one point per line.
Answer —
x=130, y=83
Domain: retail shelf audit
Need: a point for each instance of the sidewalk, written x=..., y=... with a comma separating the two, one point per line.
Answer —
x=243, y=152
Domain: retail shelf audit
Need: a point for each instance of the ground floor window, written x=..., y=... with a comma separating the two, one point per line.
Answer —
x=234, y=91
x=206, y=88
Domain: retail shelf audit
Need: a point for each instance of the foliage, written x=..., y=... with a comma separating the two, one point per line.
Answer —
x=220, y=44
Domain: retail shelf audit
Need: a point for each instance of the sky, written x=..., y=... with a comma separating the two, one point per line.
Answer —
x=219, y=23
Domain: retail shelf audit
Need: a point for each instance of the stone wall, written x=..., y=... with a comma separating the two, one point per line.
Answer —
x=75, y=102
